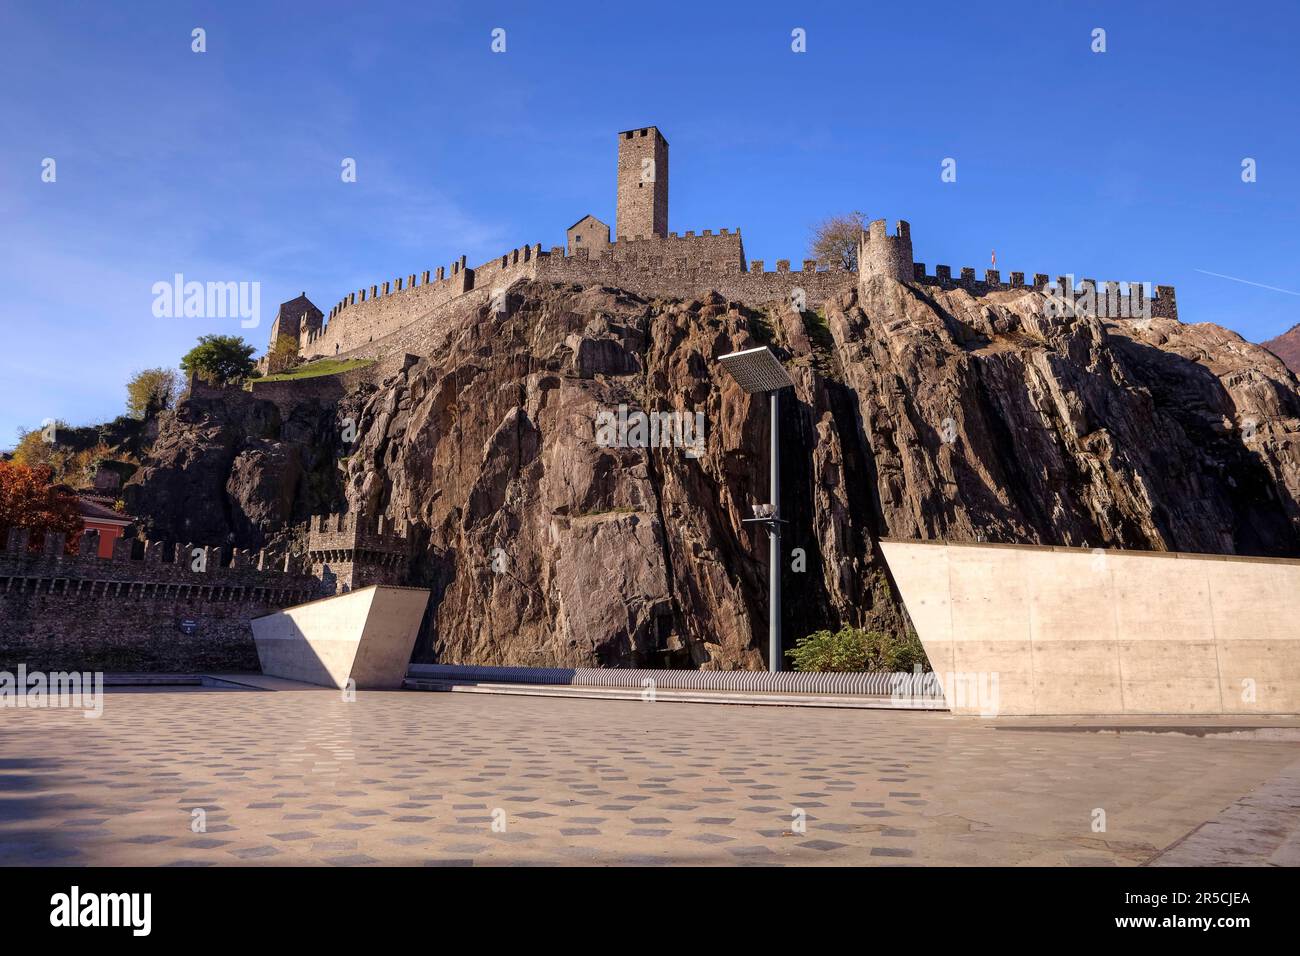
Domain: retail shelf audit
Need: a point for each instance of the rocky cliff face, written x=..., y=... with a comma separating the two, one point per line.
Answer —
x=1287, y=347
x=915, y=413
x=1150, y=435
x=229, y=469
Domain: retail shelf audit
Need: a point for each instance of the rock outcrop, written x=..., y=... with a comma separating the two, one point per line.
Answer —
x=916, y=413
x=229, y=468
x=1287, y=347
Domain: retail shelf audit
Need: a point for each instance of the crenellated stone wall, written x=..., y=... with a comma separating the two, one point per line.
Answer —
x=1133, y=295
x=676, y=266
x=151, y=607
x=370, y=314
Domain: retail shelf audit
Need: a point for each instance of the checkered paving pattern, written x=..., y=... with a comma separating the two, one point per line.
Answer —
x=200, y=777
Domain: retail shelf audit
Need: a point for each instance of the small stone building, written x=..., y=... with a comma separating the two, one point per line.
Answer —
x=295, y=319
x=587, y=233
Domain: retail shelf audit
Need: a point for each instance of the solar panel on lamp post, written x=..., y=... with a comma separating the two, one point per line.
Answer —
x=757, y=371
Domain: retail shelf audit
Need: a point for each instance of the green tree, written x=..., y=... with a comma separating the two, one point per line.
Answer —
x=220, y=359
x=835, y=239
x=283, y=355
x=152, y=391
x=853, y=649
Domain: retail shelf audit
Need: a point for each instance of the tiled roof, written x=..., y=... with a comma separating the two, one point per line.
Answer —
x=92, y=507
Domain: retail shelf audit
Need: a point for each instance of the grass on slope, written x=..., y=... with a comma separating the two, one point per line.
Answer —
x=316, y=369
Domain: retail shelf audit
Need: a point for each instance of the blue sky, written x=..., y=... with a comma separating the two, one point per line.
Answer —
x=225, y=166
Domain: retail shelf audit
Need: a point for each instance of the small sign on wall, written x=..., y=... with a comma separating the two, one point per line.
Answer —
x=188, y=626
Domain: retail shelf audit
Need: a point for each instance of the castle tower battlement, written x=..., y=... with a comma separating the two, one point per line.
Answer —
x=349, y=551
x=171, y=560
x=880, y=254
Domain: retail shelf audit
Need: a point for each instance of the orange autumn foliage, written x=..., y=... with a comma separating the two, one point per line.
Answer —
x=29, y=499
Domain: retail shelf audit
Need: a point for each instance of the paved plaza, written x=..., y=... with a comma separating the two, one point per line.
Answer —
x=294, y=777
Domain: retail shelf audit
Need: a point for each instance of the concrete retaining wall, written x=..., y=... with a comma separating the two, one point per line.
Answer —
x=1014, y=629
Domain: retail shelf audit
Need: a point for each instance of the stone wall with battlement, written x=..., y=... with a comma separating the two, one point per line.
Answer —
x=388, y=318
x=417, y=335
x=334, y=531
x=690, y=265
x=674, y=255
x=143, y=609
x=1163, y=304
x=812, y=286
x=651, y=266
x=371, y=313
x=675, y=266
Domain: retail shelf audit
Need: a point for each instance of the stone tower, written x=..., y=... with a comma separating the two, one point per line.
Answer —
x=349, y=552
x=297, y=319
x=880, y=254
x=642, y=184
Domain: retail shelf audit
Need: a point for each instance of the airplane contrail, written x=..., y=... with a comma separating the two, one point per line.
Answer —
x=1247, y=281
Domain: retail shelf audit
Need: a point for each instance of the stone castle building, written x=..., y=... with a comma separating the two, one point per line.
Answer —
x=390, y=318
x=296, y=319
x=349, y=551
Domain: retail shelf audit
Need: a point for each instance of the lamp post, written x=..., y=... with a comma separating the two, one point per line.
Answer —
x=757, y=371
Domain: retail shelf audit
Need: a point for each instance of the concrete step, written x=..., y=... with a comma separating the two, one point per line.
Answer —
x=745, y=698
x=153, y=680
x=223, y=681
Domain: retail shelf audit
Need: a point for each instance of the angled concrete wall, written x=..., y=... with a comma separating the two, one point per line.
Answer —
x=366, y=635
x=1078, y=631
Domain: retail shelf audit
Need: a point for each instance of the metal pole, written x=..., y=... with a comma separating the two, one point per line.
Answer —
x=774, y=540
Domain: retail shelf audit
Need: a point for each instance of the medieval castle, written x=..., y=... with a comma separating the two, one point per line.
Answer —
x=130, y=607
x=390, y=318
